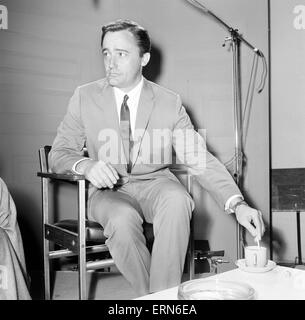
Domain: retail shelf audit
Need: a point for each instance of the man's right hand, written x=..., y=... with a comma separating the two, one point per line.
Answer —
x=99, y=173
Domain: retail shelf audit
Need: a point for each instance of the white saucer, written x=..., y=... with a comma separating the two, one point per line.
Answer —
x=241, y=263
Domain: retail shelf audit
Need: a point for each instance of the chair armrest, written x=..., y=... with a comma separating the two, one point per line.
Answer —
x=61, y=176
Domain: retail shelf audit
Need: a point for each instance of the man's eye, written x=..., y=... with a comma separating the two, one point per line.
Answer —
x=106, y=54
x=122, y=54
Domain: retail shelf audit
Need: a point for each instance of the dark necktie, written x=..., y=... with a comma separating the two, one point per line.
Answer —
x=126, y=131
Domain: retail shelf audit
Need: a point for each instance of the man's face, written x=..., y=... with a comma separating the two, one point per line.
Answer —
x=122, y=60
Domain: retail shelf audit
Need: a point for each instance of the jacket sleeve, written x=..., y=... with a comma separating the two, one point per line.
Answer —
x=70, y=139
x=191, y=151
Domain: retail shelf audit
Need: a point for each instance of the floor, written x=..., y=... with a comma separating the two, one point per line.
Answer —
x=101, y=286
x=107, y=285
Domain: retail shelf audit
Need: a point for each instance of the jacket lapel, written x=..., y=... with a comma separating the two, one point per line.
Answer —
x=107, y=103
x=145, y=108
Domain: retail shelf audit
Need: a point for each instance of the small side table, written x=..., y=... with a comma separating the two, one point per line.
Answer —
x=288, y=194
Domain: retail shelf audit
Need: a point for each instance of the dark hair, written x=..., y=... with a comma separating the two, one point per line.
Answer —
x=140, y=34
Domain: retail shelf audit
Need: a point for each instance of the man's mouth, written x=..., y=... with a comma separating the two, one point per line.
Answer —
x=112, y=74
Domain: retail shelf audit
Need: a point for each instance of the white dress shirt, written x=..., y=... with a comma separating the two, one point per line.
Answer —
x=132, y=102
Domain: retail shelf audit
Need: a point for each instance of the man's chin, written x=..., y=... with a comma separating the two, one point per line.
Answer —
x=113, y=82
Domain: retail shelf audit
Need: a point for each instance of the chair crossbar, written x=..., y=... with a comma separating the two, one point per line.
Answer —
x=99, y=264
x=55, y=254
x=62, y=237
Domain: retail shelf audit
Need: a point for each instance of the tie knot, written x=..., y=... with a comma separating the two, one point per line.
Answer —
x=125, y=99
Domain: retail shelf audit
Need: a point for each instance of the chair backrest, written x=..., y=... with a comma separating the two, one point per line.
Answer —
x=43, y=158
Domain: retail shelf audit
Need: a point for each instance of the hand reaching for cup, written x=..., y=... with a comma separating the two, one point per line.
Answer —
x=252, y=220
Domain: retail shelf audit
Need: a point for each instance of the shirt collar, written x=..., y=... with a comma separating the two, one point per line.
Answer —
x=132, y=93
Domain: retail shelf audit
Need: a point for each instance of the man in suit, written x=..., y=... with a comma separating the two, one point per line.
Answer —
x=130, y=126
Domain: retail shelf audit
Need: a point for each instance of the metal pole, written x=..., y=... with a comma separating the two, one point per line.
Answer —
x=238, y=130
x=192, y=235
x=300, y=262
x=236, y=39
x=225, y=25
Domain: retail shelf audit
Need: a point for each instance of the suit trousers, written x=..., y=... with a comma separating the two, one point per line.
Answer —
x=163, y=202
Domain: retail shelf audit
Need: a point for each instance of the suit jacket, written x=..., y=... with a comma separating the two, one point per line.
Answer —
x=162, y=125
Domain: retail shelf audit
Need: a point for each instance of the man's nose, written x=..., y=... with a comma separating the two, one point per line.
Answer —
x=112, y=62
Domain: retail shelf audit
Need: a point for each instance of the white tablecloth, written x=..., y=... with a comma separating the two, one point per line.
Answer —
x=281, y=283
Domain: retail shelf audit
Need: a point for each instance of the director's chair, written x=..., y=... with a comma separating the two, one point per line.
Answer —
x=81, y=237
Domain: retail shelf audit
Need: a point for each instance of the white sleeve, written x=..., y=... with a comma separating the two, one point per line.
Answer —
x=227, y=205
x=76, y=163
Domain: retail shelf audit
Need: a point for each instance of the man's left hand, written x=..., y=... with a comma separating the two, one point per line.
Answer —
x=252, y=220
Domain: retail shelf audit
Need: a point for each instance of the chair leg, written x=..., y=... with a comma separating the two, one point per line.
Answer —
x=46, y=269
x=82, y=268
x=46, y=249
x=82, y=274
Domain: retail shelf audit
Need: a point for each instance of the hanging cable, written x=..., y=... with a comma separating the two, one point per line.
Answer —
x=264, y=72
x=249, y=99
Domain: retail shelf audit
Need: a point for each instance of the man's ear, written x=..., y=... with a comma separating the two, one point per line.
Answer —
x=145, y=59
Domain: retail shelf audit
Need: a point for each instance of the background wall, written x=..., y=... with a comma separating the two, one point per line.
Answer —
x=288, y=109
x=50, y=47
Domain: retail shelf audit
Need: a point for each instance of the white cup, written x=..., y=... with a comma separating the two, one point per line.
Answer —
x=256, y=256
